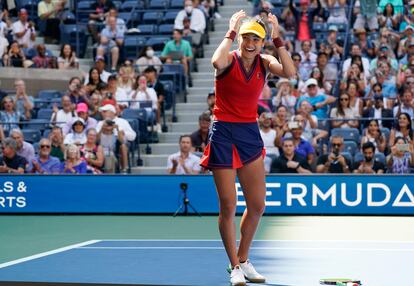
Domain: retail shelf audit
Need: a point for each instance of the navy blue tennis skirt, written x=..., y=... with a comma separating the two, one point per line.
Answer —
x=232, y=145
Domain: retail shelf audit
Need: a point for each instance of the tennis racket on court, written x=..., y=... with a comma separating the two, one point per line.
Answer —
x=340, y=282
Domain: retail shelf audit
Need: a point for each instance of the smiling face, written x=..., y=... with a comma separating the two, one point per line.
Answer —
x=250, y=45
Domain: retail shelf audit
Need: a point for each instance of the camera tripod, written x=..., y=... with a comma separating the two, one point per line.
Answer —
x=186, y=202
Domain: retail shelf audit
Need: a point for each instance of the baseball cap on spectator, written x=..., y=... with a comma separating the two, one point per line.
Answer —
x=81, y=107
x=282, y=81
x=107, y=107
x=23, y=11
x=108, y=101
x=77, y=120
x=333, y=28
x=99, y=58
x=408, y=27
x=311, y=81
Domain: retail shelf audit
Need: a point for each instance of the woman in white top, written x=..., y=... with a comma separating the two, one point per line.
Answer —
x=67, y=58
x=284, y=95
x=355, y=103
x=144, y=93
x=344, y=111
x=147, y=58
x=126, y=79
x=76, y=136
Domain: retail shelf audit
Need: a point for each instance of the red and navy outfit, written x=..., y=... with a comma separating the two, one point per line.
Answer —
x=234, y=138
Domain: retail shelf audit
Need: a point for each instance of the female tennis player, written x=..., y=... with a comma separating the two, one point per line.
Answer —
x=235, y=146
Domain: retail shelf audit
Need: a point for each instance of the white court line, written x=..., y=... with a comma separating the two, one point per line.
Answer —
x=256, y=248
x=43, y=254
x=267, y=240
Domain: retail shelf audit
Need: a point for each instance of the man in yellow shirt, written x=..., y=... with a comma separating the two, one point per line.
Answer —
x=49, y=12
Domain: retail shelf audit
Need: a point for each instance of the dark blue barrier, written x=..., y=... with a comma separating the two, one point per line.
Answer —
x=288, y=194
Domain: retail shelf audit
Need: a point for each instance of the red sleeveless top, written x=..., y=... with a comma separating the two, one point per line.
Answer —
x=237, y=93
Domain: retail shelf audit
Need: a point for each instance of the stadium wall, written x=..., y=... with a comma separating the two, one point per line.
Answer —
x=287, y=194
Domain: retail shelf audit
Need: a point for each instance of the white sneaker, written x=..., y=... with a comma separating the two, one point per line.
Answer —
x=250, y=273
x=237, y=277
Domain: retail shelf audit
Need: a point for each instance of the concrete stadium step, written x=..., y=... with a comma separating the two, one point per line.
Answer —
x=188, y=116
x=209, y=82
x=161, y=148
x=170, y=137
x=191, y=107
x=206, y=69
x=149, y=170
x=202, y=76
x=199, y=90
x=155, y=160
x=183, y=127
x=196, y=98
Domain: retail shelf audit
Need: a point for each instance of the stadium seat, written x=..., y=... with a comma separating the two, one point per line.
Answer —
x=169, y=93
x=126, y=16
x=380, y=157
x=133, y=46
x=348, y=156
x=351, y=147
x=159, y=4
x=148, y=29
x=152, y=17
x=31, y=135
x=320, y=27
x=157, y=43
x=44, y=113
x=46, y=133
x=37, y=124
x=74, y=35
x=348, y=134
x=277, y=3
x=49, y=94
x=358, y=157
x=128, y=6
x=386, y=132
x=177, y=4
x=142, y=116
x=117, y=4
x=170, y=16
x=166, y=29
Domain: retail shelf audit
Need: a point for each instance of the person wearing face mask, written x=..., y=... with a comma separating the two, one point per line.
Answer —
x=369, y=165
x=196, y=16
x=147, y=58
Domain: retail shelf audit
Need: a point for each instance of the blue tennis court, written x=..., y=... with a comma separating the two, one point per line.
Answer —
x=203, y=262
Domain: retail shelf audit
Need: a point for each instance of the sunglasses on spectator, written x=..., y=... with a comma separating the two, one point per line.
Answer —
x=45, y=146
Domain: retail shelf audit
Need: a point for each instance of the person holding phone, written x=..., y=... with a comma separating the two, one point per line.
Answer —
x=401, y=158
x=334, y=162
x=235, y=147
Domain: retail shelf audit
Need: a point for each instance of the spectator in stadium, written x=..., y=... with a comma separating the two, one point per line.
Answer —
x=15, y=57
x=147, y=58
x=363, y=43
x=285, y=96
x=97, y=18
x=67, y=59
x=76, y=92
x=406, y=46
x=388, y=39
x=49, y=12
x=289, y=161
x=126, y=79
x=92, y=152
x=401, y=158
x=10, y=162
x=61, y=116
x=334, y=162
x=42, y=60
x=100, y=66
x=211, y=102
x=195, y=15
x=308, y=59
x=323, y=85
x=111, y=41
x=24, y=31
x=95, y=82
x=356, y=73
x=304, y=18
x=288, y=20
x=337, y=12
x=311, y=133
x=356, y=51
x=345, y=115
x=366, y=12
x=199, y=138
x=153, y=82
x=81, y=112
x=44, y=163
x=9, y=116
x=120, y=23
x=57, y=147
x=373, y=135
x=4, y=42
x=333, y=42
x=144, y=93
x=389, y=18
x=383, y=55
x=403, y=128
x=1, y=133
x=113, y=92
x=24, y=103
x=178, y=44
x=389, y=89
x=77, y=134
x=94, y=104
x=377, y=111
x=73, y=163
x=268, y=134
x=369, y=165
x=184, y=162
x=118, y=132
x=294, y=130
x=329, y=69
x=405, y=104
x=23, y=148
x=355, y=102
x=281, y=118
x=319, y=101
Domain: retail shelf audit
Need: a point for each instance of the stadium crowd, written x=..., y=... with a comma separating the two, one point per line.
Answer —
x=349, y=109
